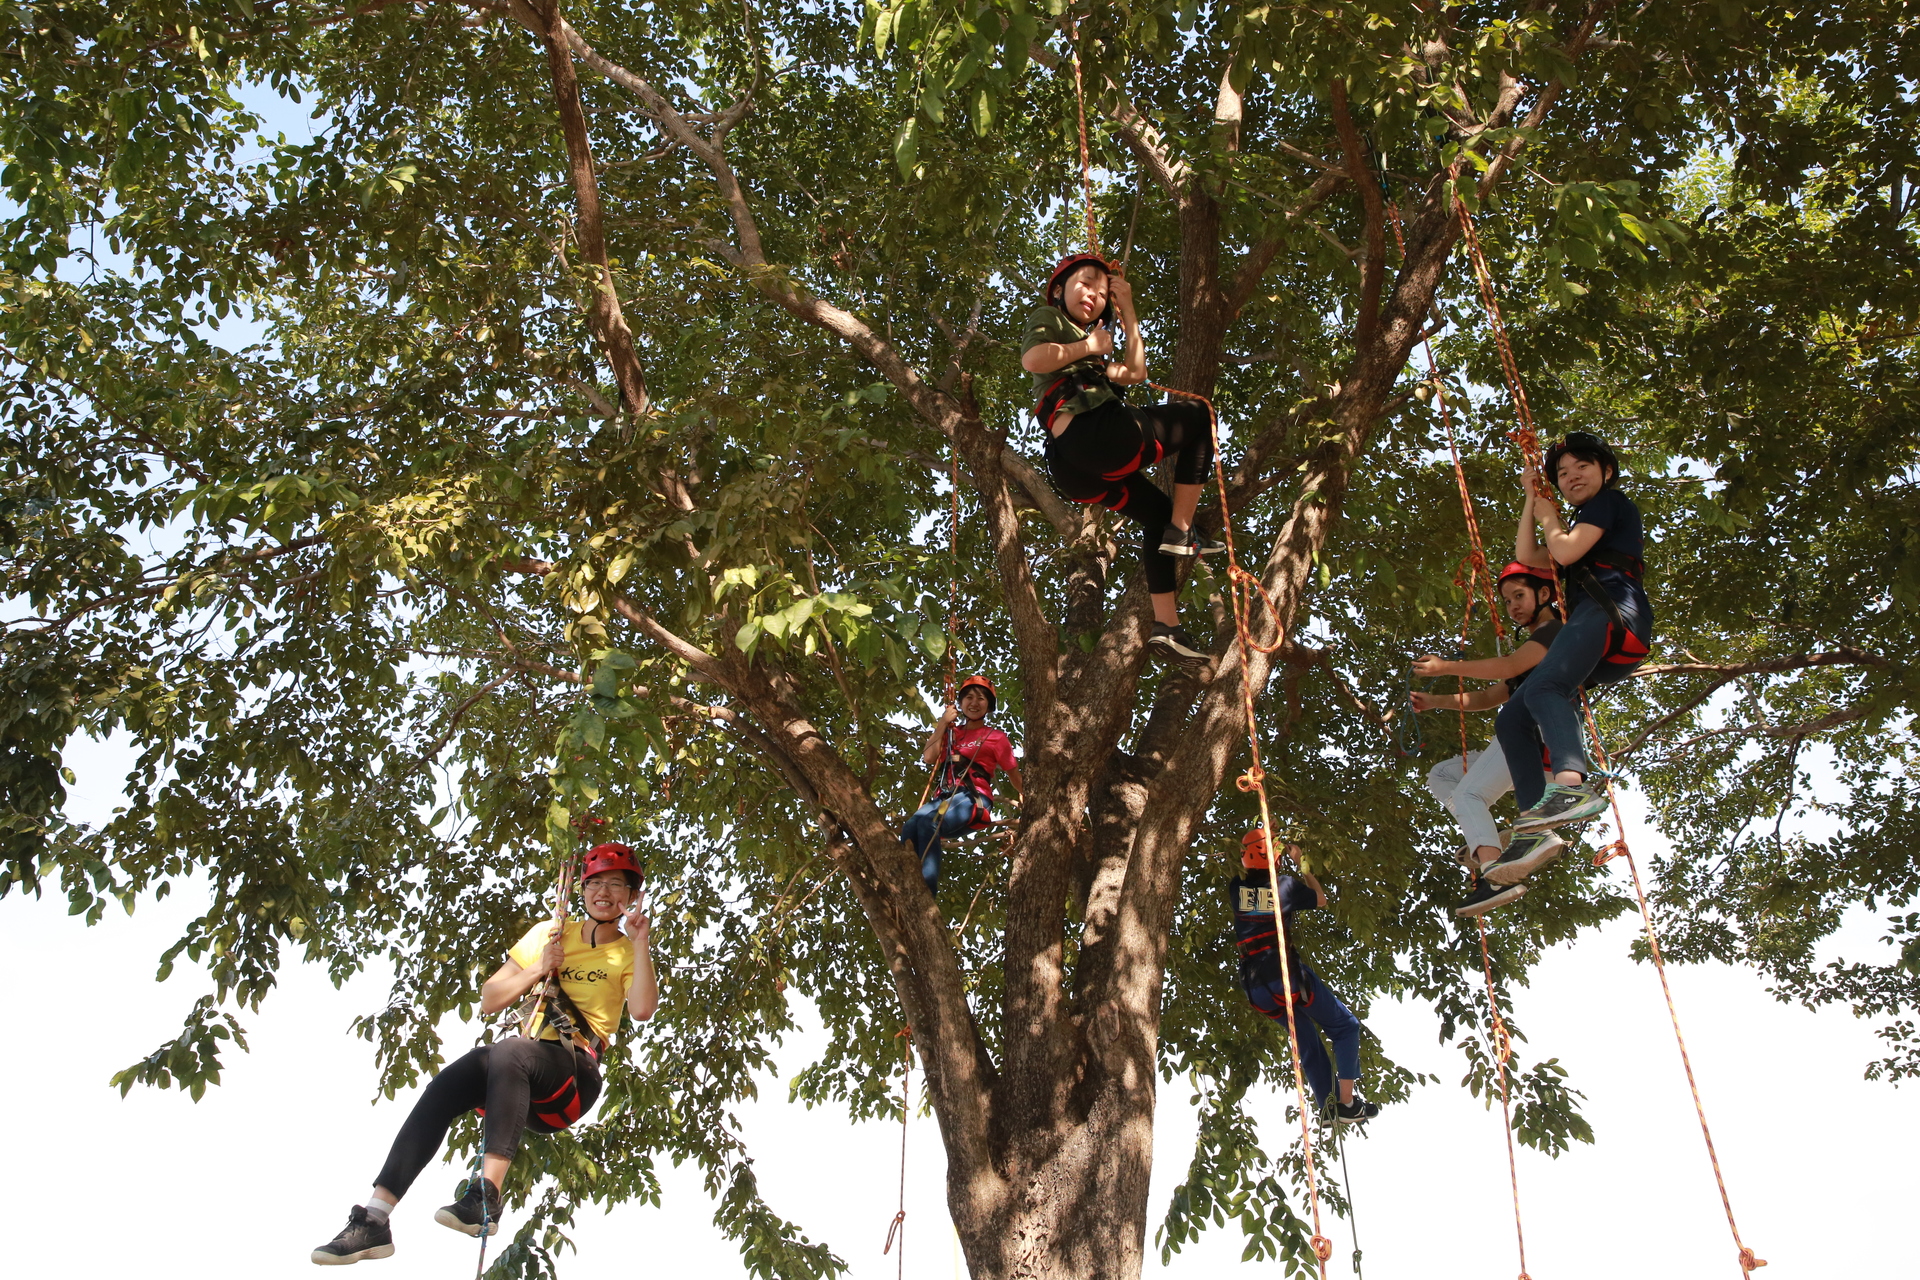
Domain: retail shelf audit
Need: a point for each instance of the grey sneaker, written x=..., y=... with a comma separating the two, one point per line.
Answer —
x=1171, y=644
x=1529, y=852
x=1189, y=542
x=362, y=1237
x=1561, y=807
x=1485, y=897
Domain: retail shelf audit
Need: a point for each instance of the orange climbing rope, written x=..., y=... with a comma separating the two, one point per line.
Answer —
x=1242, y=587
x=898, y=1228
x=1529, y=441
x=1477, y=578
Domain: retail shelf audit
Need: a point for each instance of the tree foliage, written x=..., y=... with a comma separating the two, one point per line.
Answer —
x=328, y=484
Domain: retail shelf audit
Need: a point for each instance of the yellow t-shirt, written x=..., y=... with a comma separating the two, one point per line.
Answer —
x=595, y=978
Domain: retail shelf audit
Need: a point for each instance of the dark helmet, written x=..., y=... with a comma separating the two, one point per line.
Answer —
x=1581, y=444
x=978, y=682
x=612, y=857
x=1253, y=850
x=1055, y=292
x=1530, y=572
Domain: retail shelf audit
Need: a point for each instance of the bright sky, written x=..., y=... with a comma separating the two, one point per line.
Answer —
x=1819, y=1163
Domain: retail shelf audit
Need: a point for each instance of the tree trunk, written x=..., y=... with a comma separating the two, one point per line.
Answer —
x=1069, y=1199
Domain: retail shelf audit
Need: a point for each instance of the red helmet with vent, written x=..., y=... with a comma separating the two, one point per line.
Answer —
x=981, y=683
x=612, y=857
x=1533, y=572
x=1055, y=292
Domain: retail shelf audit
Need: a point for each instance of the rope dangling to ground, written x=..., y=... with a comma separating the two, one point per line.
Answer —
x=1529, y=441
x=898, y=1228
x=1478, y=577
x=1242, y=588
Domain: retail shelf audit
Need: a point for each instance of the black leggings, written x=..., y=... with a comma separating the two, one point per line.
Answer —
x=1102, y=457
x=542, y=1085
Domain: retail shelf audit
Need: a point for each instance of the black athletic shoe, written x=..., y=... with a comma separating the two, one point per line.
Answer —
x=465, y=1214
x=1485, y=897
x=1171, y=644
x=1562, y=807
x=1530, y=851
x=1355, y=1112
x=1189, y=542
x=362, y=1237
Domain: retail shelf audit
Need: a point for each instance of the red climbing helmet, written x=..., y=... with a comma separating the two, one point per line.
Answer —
x=1054, y=293
x=1253, y=850
x=612, y=857
x=1532, y=572
x=978, y=682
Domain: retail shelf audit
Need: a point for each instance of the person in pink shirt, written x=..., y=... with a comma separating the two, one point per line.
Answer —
x=968, y=752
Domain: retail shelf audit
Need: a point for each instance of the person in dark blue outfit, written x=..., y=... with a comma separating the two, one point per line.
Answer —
x=1607, y=634
x=1263, y=909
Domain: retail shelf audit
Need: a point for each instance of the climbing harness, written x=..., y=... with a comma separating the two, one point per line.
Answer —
x=898, y=1228
x=1525, y=436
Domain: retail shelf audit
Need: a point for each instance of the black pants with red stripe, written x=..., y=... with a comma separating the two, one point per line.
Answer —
x=522, y=1084
x=1102, y=457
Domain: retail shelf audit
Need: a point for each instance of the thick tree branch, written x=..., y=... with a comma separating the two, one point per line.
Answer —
x=603, y=305
x=1374, y=261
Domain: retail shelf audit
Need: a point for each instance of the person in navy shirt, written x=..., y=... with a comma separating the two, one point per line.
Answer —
x=1263, y=910
x=1608, y=630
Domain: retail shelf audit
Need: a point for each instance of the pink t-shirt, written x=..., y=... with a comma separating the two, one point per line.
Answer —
x=987, y=750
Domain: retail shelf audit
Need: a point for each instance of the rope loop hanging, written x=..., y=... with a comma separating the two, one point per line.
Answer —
x=897, y=1229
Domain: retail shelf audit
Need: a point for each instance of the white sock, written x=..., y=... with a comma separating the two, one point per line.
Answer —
x=378, y=1207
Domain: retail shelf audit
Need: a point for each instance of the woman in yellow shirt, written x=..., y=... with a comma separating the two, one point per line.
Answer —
x=543, y=1080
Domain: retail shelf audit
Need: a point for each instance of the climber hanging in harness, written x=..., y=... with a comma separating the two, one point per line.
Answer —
x=1607, y=634
x=543, y=1079
x=1468, y=785
x=967, y=751
x=1099, y=447
x=1263, y=908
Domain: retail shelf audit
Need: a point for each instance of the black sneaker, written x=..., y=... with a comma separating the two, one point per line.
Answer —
x=1562, y=807
x=362, y=1237
x=1485, y=897
x=1529, y=852
x=468, y=1215
x=1355, y=1112
x=1171, y=644
x=1189, y=542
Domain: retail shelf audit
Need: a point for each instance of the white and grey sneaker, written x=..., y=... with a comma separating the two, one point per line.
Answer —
x=1530, y=851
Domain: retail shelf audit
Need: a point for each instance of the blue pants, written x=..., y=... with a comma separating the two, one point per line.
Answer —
x=1543, y=716
x=919, y=831
x=1318, y=1006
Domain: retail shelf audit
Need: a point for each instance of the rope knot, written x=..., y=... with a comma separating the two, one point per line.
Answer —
x=1618, y=849
x=1748, y=1262
x=899, y=1219
x=1322, y=1248
x=1251, y=779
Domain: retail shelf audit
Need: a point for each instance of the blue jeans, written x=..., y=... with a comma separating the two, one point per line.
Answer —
x=1543, y=716
x=1318, y=1005
x=919, y=831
